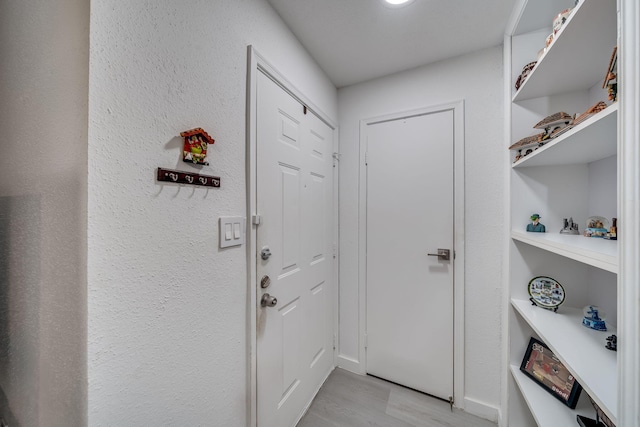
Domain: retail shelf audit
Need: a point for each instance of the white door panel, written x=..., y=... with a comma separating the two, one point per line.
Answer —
x=410, y=214
x=294, y=198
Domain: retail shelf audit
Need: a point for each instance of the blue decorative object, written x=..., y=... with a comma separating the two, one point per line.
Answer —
x=593, y=318
x=535, y=225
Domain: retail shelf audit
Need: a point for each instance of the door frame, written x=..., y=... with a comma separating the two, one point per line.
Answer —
x=459, y=249
x=256, y=64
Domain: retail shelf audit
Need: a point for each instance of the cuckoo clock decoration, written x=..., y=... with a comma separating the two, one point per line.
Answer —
x=196, y=142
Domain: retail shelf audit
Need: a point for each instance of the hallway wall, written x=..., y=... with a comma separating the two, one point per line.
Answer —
x=44, y=46
x=476, y=79
x=167, y=308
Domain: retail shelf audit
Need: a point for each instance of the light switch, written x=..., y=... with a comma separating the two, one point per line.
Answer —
x=232, y=231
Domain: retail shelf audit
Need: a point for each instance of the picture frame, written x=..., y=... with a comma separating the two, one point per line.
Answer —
x=544, y=368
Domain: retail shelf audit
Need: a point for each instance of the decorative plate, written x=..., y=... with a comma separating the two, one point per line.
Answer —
x=597, y=222
x=546, y=292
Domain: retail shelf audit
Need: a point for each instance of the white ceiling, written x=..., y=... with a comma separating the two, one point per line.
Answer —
x=357, y=40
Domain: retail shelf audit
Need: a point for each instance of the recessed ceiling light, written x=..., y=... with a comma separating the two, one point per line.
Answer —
x=397, y=3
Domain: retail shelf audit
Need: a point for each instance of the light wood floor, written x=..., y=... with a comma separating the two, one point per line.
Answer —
x=350, y=400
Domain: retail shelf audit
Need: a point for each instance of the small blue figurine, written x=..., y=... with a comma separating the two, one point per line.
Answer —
x=592, y=318
x=535, y=225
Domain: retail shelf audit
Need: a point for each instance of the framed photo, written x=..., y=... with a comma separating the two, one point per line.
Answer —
x=542, y=366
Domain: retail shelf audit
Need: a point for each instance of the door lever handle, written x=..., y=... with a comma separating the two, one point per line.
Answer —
x=443, y=254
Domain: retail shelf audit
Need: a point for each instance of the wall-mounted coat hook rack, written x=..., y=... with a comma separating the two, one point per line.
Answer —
x=182, y=177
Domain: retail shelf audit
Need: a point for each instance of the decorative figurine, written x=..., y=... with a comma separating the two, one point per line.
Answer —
x=195, y=146
x=535, y=225
x=570, y=227
x=593, y=318
x=613, y=231
x=612, y=343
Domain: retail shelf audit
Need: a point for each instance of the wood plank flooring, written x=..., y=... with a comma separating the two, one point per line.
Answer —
x=350, y=400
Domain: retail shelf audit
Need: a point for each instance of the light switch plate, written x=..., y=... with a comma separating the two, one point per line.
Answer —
x=232, y=231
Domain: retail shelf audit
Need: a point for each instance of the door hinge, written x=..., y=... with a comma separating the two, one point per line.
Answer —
x=366, y=341
x=366, y=158
x=451, y=402
x=334, y=341
x=256, y=219
x=336, y=158
x=335, y=251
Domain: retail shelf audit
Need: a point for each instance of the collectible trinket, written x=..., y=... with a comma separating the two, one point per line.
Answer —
x=553, y=124
x=546, y=292
x=526, y=70
x=560, y=19
x=613, y=231
x=596, y=227
x=593, y=318
x=536, y=226
x=196, y=142
x=570, y=227
x=611, y=77
x=612, y=342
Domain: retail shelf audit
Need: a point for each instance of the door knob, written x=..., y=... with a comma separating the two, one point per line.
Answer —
x=265, y=253
x=268, y=301
x=443, y=254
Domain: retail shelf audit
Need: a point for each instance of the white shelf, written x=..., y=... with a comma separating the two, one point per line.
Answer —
x=590, y=31
x=580, y=349
x=592, y=251
x=546, y=409
x=594, y=139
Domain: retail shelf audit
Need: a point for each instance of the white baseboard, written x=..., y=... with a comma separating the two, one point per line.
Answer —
x=500, y=422
x=350, y=364
x=481, y=409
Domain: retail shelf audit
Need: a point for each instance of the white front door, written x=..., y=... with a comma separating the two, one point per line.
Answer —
x=410, y=214
x=294, y=199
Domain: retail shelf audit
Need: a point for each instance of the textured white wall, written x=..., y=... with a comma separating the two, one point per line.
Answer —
x=476, y=78
x=44, y=46
x=167, y=308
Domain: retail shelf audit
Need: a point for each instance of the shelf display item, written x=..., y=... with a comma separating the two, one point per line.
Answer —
x=544, y=368
x=554, y=122
x=588, y=422
x=594, y=318
x=535, y=226
x=611, y=77
x=528, y=145
x=196, y=142
x=560, y=19
x=594, y=109
x=601, y=417
x=570, y=227
x=526, y=70
x=546, y=292
x=612, y=342
x=613, y=230
x=597, y=226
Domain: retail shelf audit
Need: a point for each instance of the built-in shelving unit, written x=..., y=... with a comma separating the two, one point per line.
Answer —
x=572, y=176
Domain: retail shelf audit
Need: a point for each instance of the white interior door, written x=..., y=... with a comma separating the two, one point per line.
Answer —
x=294, y=200
x=410, y=213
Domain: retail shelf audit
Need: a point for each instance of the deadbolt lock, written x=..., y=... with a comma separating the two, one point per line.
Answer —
x=265, y=253
x=265, y=282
